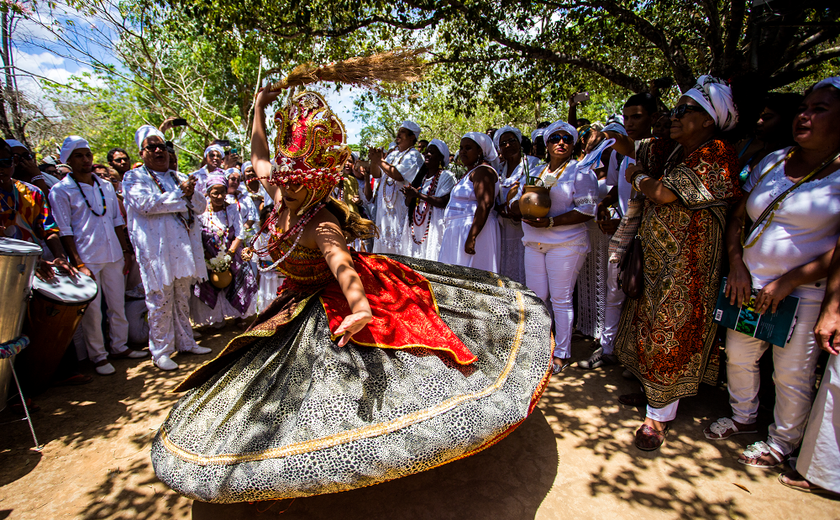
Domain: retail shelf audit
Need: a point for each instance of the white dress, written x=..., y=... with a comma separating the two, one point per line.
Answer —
x=425, y=224
x=458, y=219
x=512, y=250
x=200, y=313
x=391, y=211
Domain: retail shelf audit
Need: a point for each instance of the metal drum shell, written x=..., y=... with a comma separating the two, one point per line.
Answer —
x=17, y=268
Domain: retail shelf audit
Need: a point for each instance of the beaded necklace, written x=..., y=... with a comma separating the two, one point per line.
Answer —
x=391, y=183
x=277, y=238
x=190, y=218
x=423, y=213
x=219, y=232
x=101, y=196
x=558, y=172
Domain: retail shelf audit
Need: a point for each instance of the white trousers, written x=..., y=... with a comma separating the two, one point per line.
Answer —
x=665, y=414
x=169, y=318
x=794, y=374
x=111, y=282
x=612, y=311
x=819, y=458
x=551, y=271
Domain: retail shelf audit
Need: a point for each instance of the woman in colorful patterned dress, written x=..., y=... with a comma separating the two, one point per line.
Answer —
x=364, y=369
x=665, y=337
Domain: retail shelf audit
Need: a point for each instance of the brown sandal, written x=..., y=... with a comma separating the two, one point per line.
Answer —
x=650, y=439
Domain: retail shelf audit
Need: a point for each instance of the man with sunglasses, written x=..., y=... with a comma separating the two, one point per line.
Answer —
x=25, y=215
x=640, y=112
x=161, y=206
x=92, y=232
x=27, y=171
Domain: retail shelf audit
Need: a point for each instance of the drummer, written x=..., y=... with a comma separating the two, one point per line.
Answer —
x=161, y=206
x=92, y=231
x=25, y=215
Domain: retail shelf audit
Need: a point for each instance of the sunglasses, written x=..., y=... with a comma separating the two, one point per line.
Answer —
x=556, y=138
x=155, y=147
x=680, y=111
x=25, y=156
x=7, y=162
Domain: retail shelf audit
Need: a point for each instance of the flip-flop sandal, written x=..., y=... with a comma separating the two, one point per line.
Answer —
x=788, y=479
x=556, y=368
x=725, y=428
x=757, y=450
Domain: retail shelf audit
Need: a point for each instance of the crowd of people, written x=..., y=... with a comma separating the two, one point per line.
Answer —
x=763, y=212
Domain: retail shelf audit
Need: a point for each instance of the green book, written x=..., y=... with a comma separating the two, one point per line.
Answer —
x=775, y=327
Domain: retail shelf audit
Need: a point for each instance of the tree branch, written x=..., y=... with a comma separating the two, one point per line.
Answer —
x=802, y=68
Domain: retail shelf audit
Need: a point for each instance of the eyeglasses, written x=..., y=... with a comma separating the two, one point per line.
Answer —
x=25, y=156
x=680, y=111
x=507, y=142
x=556, y=138
x=7, y=162
x=155, y=147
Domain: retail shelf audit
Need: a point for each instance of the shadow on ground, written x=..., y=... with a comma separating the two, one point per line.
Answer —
x=507, y=480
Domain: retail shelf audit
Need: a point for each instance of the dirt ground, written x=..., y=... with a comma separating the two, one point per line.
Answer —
x=573, y=458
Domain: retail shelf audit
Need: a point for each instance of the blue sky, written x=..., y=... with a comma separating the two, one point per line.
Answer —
x=37, y=52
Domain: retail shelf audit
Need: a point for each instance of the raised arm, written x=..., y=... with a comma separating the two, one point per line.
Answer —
x=260, y=153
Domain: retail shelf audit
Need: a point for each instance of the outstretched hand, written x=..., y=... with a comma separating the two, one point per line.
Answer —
x=351, y=325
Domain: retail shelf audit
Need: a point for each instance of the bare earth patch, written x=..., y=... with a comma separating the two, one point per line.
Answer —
x=573, y=458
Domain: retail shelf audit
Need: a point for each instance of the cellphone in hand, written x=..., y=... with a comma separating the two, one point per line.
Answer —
x=580, y=97
x=179, y=122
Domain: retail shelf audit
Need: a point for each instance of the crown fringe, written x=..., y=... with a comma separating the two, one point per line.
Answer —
x=396, y=66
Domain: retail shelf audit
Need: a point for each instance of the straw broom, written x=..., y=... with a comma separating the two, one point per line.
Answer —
x=397, y=66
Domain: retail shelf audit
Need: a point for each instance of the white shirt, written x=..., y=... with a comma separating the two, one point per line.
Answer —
x=95, y=237
x=391, y=211
x=517, y=175
x=806, y=224
x=242, y=202
x=576, y=190
x=165, y=249
x=230, y=217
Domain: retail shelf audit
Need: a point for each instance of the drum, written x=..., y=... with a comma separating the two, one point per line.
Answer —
x=17, y=266
x=56, y=308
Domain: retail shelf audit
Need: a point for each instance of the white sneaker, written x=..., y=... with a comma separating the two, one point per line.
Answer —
x=105, y=369
x=196, y=350
x=164, y=363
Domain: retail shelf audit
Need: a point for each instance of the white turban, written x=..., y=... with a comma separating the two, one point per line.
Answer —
x=615, y=127
x=504, y=130
x=355, y=155
x=216, y=147
x=245, y=166
x=560, y=126
x=483, y=141
x=71, y=143
x=412, y=127
x=442, y=148
x=827, y=82
x=615, y=118
x=144, y=132
x=537, y=133
x=14, y=143
x=715, y=97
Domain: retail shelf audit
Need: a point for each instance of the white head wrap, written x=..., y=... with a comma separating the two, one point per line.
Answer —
x=615, y=127
x=537, y=133
x=483, y=141
x=355, y=155
x=558, y=126
x=412, y=127
x=504, y=130
x=245, y=166
x=71, y=143
x=442, y=148
x=14, y=143
x=833, y=81
x=144, y=132
x=715, y=97
x=216, y=147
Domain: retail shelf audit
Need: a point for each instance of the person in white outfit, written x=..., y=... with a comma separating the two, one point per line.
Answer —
x=87, y=212
x=794, y=204
x=394, y=172
x=471, y=227
x=427, y=198
x=161, y=206
x=213, y=157
x=640, y=111
x=556, y=245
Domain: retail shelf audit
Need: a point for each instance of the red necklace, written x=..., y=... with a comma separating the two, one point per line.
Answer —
x=420, y=213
